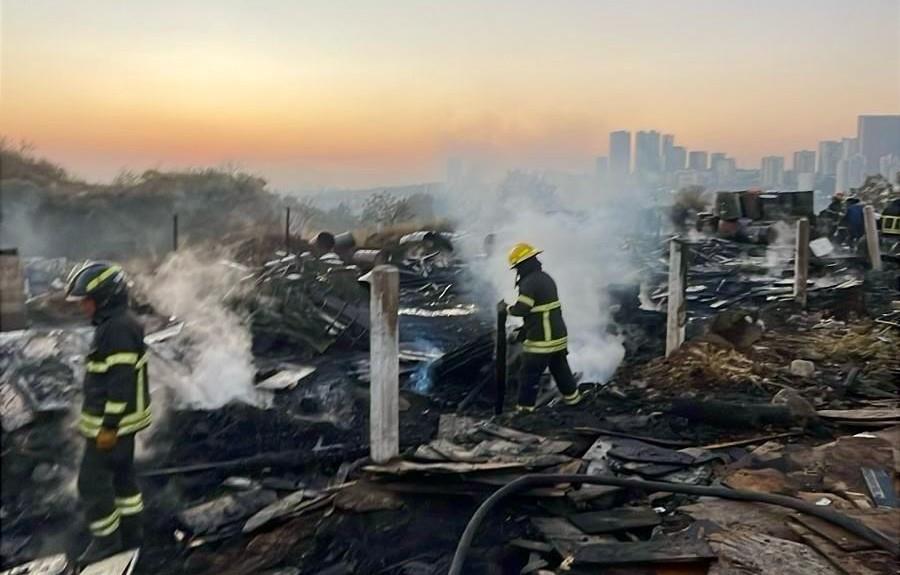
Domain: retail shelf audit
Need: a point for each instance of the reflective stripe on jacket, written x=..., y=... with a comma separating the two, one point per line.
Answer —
x=538, y=303
x=116, y=392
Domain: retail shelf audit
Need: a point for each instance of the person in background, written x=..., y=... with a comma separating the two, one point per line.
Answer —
x=854, y=220
x=545, y=339
x=830, y=218
x=116, y=407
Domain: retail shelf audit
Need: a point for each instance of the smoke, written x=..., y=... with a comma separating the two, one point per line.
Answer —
x=580, y=238
x=220, y=360
x=781, y=249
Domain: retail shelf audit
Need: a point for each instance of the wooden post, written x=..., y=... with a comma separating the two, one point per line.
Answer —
x=287, y=228
x=676, y=313
x=174, y=232
x=500, y=359
x=801, y=261
x=384, y=413
x=13, y=311
x=872, y=239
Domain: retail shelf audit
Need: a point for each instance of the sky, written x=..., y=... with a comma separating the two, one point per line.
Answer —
x=335, y=93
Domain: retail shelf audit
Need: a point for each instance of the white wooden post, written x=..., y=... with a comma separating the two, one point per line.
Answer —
x=384, y=384
x=801, y=261
x=872, y=239
x=676, y=313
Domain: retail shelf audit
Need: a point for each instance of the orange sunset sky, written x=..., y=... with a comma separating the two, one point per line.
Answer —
x=364, y=93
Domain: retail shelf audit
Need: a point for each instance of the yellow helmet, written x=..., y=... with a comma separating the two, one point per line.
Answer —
x=521, y=252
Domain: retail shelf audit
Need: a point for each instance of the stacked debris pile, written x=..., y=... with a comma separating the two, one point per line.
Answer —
x=698, y=365
x=306, y=304
x=41, y=372
x=582, y=528
x=845, y=359
x=40, y=375
x=724, y=274
x=877, y=192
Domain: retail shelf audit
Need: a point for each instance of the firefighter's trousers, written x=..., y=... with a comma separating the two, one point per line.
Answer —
x=533, y=367
x=107, y=486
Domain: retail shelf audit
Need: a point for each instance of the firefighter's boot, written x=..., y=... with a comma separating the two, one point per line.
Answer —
x=132, y=532
x=100, y=548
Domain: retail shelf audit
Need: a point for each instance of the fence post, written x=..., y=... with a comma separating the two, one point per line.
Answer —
x=801, y=261
x=174, y=232
x=384, y=413
x=872, y=239
x=500, y=359
x=287, y=228
x=676, y=312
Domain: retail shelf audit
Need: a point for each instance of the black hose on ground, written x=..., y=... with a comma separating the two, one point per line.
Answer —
x=543, y=479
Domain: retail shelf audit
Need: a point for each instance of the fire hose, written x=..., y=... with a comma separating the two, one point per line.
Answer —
x=543, y=479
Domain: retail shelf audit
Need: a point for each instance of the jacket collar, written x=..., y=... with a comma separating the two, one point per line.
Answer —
x=105, y=313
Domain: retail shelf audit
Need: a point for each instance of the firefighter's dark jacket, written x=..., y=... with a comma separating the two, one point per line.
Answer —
x=538, y=303
x=116, y=393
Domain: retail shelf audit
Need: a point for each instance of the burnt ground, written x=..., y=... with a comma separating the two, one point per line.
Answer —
x=315, y=428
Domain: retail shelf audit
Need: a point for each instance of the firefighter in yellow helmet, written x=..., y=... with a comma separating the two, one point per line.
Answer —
x=545, y=342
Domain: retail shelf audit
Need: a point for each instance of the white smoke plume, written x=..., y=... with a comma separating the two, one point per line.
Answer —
x=219, y=358
x=780, y=251
x=581, y=246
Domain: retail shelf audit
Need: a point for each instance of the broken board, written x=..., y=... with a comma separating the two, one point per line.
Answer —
x=867, y=415
x=286, y=379
x=858, y=563
x=52, y=565
x=765, y=519
x=565, y=537
x=14, y=409
x=758, y=554
x=621, y=519
x=119, y=564
x=643, y=552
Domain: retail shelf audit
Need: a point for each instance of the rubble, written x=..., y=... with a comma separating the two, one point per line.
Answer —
x=803, y=368
x=765, y=396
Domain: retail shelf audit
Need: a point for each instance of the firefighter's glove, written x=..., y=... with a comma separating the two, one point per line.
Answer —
x=106, y=439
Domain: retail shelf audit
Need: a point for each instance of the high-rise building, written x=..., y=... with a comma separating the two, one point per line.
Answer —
x=646, y=153
x=619, y=156
x=601, y=169
x=715, y=157
x=677, y=160
x=698, y=160
x=829, y=156
x=685, y=178
x=806, y=181
x=889, y=167
x=851, y=173
x=878, y=136
x=772, y=172
x=849, y=148
x=668, y=147
x=804, y=162
x=725, y=170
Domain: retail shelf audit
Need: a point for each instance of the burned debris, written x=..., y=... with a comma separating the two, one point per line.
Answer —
x=761, y=437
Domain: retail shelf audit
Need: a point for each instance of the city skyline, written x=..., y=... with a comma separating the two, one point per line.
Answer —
x=831, y=164
x=359, y=94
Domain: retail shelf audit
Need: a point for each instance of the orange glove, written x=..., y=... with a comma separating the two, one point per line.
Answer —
x=106, y=439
